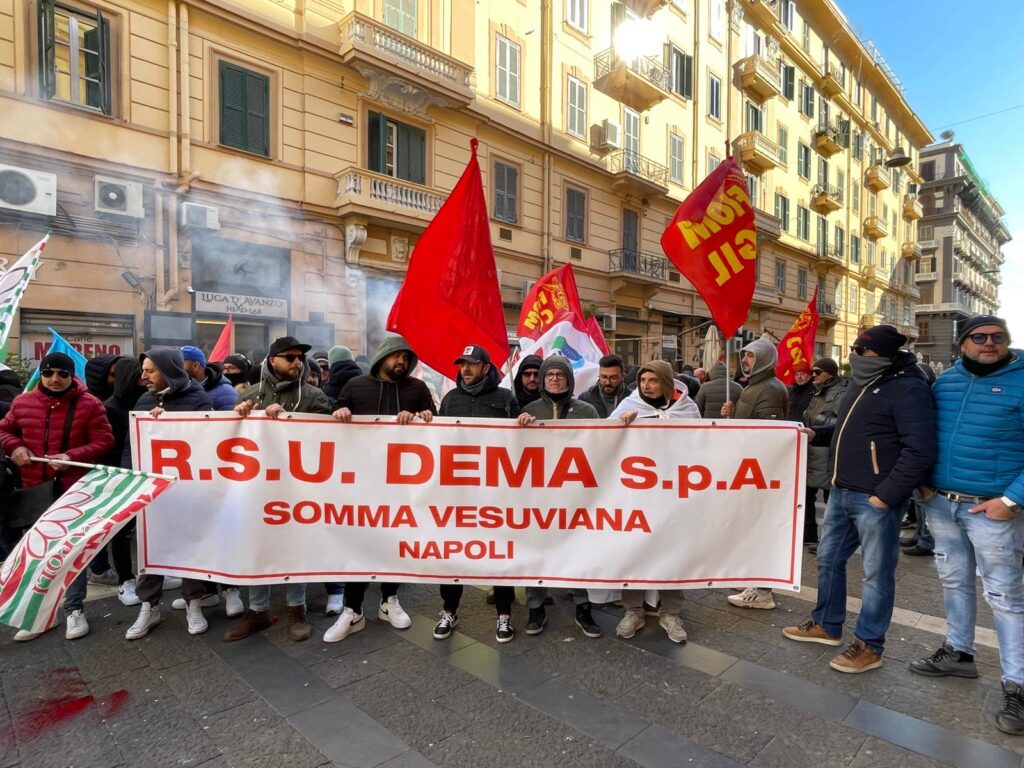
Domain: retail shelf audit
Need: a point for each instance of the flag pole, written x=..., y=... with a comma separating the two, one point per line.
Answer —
x=104, y=467
x=727, y=377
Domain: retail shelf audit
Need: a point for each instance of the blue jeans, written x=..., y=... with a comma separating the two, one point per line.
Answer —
x=74, y=598
x=850, y=521
x=965, y=542
x=259, y=596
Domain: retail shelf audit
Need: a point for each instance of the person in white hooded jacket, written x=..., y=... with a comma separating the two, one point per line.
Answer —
x=656, y=397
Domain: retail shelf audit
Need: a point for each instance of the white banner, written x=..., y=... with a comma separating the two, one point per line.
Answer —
x=654, y=505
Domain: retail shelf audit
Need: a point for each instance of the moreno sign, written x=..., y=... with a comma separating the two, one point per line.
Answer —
x=674, y=504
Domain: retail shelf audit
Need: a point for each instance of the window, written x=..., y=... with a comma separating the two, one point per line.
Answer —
x=401, y=15
x=244, y=107
x=855, y=299
x=717, y=22
x=577, y=118
x=782, y=210
x=856, y=197
x=675, y=158
x=840, y=241
x=713, y=162
x=783, y=145
x=780, y=276
x=839, y=297
x=928, y=170
x=714, y=97
x=752, y=189
x=506, y=192
x=858, y=145
x=822, y=172
x=841, y=183
x=803, y=223
x=801, y=283
x=805, y=38
x=807, y=100
x=788, y=81
x=854, y=249
x=575, y=215
x=680, y=66
x=754, y=118
x=787, y=14
x=576, y=13
x=506, y=65
x=823, y=110
x=822, y=235
x=803, y=160
x=869, y=303
x=75, y=65
x=396, y=149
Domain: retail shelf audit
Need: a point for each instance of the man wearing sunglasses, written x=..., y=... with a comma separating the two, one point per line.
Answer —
x=883, y=444
x=973, y=505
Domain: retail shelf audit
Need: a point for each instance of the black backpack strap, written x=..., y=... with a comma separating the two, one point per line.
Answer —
x=66, y=437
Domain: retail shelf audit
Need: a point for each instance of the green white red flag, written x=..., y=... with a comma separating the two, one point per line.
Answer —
x=44, y=564
x=13, y=283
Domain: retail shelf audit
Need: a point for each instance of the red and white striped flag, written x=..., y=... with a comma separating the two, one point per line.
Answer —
x=44, y=564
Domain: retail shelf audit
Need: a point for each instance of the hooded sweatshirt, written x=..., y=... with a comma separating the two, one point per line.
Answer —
x=373, y=395
x=764, y=397
x=677, y=406
x=524, y=396
x=10, y=388
x=97, y=369
x=340, y=374
x=181, y=392
x=566, y=406
x=218, y=388
x=711, y=396
x=293, y=395
x=127, y=391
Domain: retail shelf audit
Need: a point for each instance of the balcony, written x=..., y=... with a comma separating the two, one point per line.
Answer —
x=928, y=245
x=826, y=139
x=871, y=319
x=875, y=227
x=911, y=251
x=759, y=77
x=757, y=152
x=912, y=208
x=644, y=8
x=630, y=268
x=833, y=80
x=402, y=71
x=926, y=277
x=877, y=177
x=827, y=311
x=871, y=275
x=910, y=331
x=949, y=306
x=961, y=244
x=639, y=83
x=828, y=256
x=826, y=199
x=636, y=175
x=385, y=198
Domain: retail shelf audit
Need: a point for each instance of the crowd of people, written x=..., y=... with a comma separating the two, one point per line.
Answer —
x=885, y=437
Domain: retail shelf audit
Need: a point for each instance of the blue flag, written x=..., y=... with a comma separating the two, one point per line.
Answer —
x=59, y=344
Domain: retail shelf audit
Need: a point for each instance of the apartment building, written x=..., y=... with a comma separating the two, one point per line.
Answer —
x=278, y=159
x=962, y=232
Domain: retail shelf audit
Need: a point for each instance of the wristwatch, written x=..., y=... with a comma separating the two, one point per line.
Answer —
x=1013, y=505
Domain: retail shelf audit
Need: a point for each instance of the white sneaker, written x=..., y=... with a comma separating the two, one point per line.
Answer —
x=24, y=636
x=346, y=624
x=751, y=598
x=180, y=603
x=233, y=605
x=126, y=593
x=149, y=617
x=76, y=626
x=197, y=623
x=631, y=623
x=171, y=582
x=393, y=613
x=335, y=605
x=673, y=627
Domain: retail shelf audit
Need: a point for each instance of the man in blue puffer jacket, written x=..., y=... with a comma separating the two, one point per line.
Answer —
x=974, y=507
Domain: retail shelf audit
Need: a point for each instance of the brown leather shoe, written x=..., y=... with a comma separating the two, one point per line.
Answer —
x=811, y=632
x=250, y=623
x=298, y=628
x=856, y=658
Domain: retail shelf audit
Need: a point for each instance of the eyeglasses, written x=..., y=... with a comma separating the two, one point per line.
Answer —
x=997, y=338
x=530, y=374
x=816, y=372
x=610, y=378
x=555, y=376
x=291, y=357
x=48, y=372
x=857, y=349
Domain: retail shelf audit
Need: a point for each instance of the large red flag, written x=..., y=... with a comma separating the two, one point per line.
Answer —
x=223, y=346
x=451, y=297
x=712, y=240
x=555, y=298
x=797, y=346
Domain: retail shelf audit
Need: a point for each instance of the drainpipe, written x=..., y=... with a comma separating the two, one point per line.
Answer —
x=547, y=45
x=184, y=88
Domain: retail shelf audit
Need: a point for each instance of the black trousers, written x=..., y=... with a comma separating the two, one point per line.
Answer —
x=503, y=598
x=355, y=590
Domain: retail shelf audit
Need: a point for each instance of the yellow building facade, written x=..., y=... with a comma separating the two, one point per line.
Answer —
x=278, y=159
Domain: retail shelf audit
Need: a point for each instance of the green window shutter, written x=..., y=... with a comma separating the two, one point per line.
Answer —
x=232, y=106
x=411, y=154
x=47, y=63
x=375, y=142
x=257, y=104
x=98, y=65
x=511, y=191
x=687, y=76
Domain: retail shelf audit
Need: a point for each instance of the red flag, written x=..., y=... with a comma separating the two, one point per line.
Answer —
x=555, y=298
x=451, y=297
x=797, y=346
x=712, y=240
x=223, y=346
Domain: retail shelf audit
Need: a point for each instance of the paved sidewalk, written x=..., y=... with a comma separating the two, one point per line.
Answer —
x=737, y=694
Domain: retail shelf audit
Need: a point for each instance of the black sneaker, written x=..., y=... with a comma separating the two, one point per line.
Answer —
x=537, y=621
x=945, y=662
x=505, y=632
x=448, y=622
x=918, y=551
x=586, y=622
x=1010, y=719
x=908, y=541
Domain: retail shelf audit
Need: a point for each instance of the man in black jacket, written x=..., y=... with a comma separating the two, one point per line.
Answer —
x=884, y=444
x=610, y=389
x=387, y=390
x=169, y=388
x=526, y=384
x=477, y=395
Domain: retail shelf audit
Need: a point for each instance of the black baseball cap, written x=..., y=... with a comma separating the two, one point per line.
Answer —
x=473, y=354
x=288, y=342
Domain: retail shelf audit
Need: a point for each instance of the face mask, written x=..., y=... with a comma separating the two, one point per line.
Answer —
x=864, y=369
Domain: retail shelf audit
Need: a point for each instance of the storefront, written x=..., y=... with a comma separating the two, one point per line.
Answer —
x=91, y=334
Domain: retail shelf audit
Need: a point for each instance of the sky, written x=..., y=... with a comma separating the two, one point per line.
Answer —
x=959, y=62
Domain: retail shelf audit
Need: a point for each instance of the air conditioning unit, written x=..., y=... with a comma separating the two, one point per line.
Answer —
x=527, y=287
x=195, y=216
x=611, y=134
x=28, y=191
x=117, y=196
x=608, y=323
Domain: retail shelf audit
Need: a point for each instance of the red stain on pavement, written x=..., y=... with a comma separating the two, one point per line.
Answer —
x=62, y=696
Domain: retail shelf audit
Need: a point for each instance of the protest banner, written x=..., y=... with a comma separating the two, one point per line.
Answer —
x=305, y=498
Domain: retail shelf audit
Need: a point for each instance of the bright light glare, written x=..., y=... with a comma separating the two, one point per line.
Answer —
x=636, y=37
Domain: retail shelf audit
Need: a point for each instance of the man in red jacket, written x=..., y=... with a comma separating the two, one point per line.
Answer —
x=35, y=427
